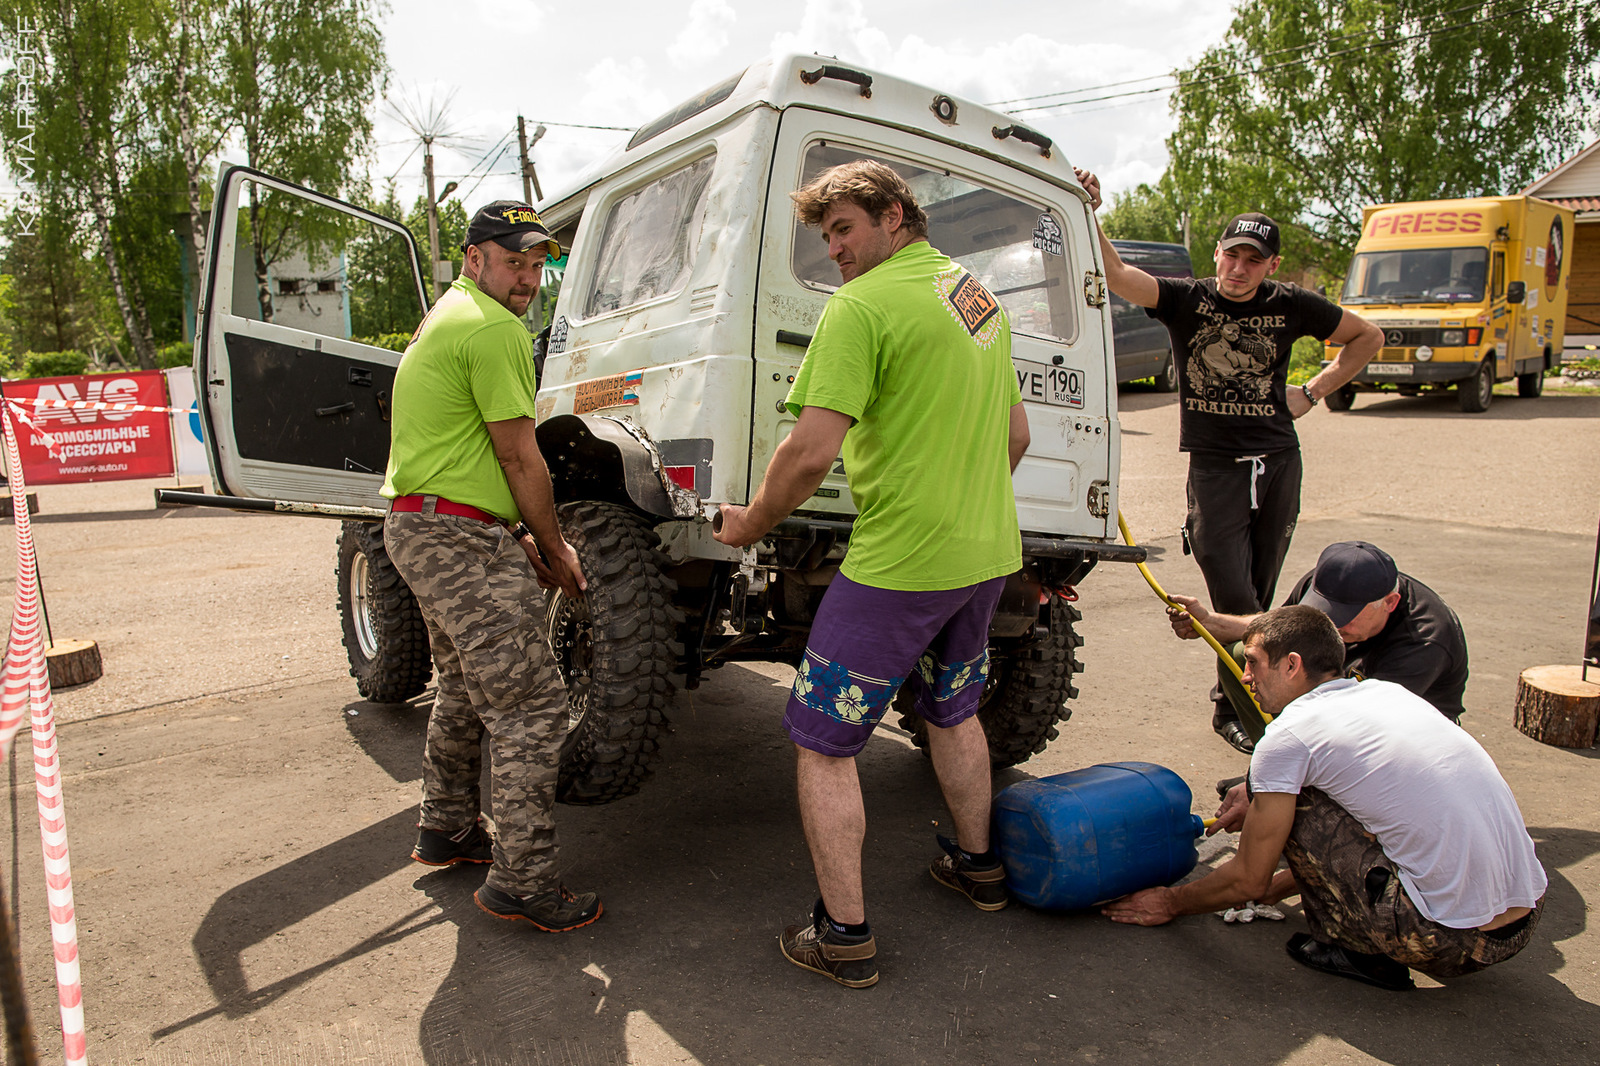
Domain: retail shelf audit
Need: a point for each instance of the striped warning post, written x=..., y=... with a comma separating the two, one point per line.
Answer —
x=26, y=688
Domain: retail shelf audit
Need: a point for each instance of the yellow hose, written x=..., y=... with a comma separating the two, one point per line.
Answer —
x=1222, y=653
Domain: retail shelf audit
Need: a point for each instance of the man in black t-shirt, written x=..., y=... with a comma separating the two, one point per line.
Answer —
x=1393, y=626
x=1231, y=335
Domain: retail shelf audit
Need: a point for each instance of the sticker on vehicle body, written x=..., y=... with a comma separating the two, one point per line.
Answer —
x=558, y=337
x=1057, y=386
x=617, y=390
x=1047, y=235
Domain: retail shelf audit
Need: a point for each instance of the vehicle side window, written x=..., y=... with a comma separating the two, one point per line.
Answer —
x=315, y=268
x=647, y=246
x=1498, y=285
x=991, y=234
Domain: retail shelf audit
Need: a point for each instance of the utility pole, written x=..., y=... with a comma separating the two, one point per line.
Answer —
x=433, y=218
x=1184, y=219
x=530, y=176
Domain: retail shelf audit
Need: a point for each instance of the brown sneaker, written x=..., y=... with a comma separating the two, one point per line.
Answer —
x=850, y=960
x=985, y=887
x=435, y=847
x=551, y=912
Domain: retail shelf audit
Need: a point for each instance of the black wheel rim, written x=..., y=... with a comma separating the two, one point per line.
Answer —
x=571, y=635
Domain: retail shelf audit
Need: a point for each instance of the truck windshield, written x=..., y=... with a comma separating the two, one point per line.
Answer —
x=1417, y=275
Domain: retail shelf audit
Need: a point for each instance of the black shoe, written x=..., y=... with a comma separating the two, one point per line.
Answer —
x=435, y=847
x=551, y=912
x=1234, y=734
x=850, y=960
x=1376, y=970
x=1227, y=783
x=984, y=886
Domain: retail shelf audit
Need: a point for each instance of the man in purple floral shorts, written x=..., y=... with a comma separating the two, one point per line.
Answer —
x=910, y=370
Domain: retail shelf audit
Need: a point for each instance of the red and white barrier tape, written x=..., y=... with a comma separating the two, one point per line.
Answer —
x=19, y=408
x=26, y=688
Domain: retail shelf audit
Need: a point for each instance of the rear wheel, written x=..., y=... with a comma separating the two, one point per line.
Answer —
x=614, y=649
x=1341, y=399
x=1475, y=393
x=1025, y=696
x=1531, y=386
x=1167, y=377
x=385, y=637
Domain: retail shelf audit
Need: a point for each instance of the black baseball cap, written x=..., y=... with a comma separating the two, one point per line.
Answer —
x=1254, y=229
x=1349, y=575
x=513, y=225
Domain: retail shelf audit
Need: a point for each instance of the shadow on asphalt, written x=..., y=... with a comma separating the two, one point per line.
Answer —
x=1503, y=409
x=700, y=873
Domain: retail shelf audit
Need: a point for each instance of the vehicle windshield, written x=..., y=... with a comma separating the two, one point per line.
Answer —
x=1417, y=275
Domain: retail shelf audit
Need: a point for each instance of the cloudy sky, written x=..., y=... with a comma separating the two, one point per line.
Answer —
x=477, y=64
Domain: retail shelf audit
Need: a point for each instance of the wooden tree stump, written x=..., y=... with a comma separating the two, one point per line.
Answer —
x=73, y=662
x=1556, y=706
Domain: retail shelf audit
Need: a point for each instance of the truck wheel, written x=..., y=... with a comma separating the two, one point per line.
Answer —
x=1341, y=399
x=385, y=638
x=1530, y=386
x=614, y=649
x=1475, y=393
x=1026, y=694
x=1167, y=376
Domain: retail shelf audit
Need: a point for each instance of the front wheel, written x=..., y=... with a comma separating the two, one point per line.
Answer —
x=1025, y=696
x=1530, y=386
x=1341, y=399
x=385, y=638
x=1476, y=392
x=614, y=649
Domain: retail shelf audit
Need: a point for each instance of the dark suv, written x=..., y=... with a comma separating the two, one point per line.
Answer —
x=1144, y=350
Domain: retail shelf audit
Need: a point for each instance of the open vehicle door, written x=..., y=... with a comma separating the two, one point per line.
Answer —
x=295, y=407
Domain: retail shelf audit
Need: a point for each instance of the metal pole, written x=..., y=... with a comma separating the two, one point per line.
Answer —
x=433, y=218
x=522, y=154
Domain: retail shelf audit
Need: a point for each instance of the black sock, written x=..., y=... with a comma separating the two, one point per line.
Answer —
x=982, y=860
x=858, y=929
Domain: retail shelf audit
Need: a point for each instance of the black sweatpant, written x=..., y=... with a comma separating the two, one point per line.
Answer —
x=1240, y=547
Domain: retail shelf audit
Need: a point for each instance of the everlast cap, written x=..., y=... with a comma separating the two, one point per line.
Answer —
x=1254, y=229
x=1350, y=575
x=512, y=225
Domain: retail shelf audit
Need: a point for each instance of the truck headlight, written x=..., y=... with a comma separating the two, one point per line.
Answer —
x=1453, y=338
x=1424, y=353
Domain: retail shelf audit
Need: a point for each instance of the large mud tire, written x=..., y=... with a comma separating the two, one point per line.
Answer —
x=385, y=638
x=1026, y=695
x=614, y=649
x=1341, y=399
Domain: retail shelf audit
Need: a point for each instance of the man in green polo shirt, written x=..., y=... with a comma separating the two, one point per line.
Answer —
x=910, y=369
x=472, y=529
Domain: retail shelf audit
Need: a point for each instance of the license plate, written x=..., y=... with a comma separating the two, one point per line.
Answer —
x=1392, y=370
x=1058, y=386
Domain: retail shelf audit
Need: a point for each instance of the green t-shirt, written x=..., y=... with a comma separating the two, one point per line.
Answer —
x=919, y=354
x=471, y=362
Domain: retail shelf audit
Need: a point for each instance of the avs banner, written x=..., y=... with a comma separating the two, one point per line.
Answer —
x=94, y=445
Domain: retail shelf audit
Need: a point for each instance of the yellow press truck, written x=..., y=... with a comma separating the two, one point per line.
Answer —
x=1467, y=293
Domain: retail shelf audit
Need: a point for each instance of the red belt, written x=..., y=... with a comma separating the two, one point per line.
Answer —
x=443, y=506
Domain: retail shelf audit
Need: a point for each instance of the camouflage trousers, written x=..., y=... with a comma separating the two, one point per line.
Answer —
x=1352, y=896
x=495, y=674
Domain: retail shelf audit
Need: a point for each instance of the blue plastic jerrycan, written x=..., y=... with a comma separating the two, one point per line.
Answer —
x=1081, y=838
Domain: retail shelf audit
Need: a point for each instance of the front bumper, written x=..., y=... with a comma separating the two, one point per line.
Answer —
x=1413, y=373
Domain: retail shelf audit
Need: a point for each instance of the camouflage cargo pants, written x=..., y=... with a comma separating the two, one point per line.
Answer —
x=481, y=603
x=1352, y=897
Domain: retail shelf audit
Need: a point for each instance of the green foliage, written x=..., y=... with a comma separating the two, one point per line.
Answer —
x=1305, y=360
x=395, y=342
x=1145, y=214
x=54, y=364
x=381, y=272
x=1310, y=109
x=178, y=353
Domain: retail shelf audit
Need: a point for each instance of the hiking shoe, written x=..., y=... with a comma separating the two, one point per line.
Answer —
x=850, y=960
x=1234, y=734
x=551, y=912
x=435, y=847
x=1379, y=970
x=984, y=886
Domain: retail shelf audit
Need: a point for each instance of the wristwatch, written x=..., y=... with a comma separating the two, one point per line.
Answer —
x=521, y=529
x=1310, y=399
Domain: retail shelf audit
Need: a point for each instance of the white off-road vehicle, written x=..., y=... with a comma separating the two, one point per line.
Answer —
x=683, y=311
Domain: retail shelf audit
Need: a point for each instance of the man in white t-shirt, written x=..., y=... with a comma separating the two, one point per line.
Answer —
x=1403, y=841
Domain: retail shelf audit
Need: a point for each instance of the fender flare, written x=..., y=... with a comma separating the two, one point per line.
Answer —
x=596, y=457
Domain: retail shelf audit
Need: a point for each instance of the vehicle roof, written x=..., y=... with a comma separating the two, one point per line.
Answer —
x=1153, y=254
x=776, y=82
